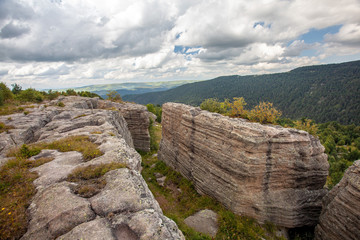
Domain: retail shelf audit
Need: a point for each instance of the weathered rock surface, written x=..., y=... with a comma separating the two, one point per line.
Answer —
x=137, y=118
x=267, y=172
x=204, y=221
x=340, y=216
x=56, y=211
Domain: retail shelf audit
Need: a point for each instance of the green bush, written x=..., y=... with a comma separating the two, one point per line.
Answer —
x=71, y=92
x=27, y=152
x=114, y=96
x=157, y=110
x=213, y=105
x=51, y=95
x=30, y=95
x=5, y=93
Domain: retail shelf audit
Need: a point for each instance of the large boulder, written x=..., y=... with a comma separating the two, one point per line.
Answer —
x=263, y=171
x=340, y=216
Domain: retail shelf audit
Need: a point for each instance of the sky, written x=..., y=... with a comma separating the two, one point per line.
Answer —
x=49, y=44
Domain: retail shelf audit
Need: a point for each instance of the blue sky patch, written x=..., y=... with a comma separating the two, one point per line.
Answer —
x=317, y=35
x=258, y=23
x=184, y=50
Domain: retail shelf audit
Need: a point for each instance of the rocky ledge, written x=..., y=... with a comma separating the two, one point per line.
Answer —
x=340, y=216
x=267, y=172
x=124, y=209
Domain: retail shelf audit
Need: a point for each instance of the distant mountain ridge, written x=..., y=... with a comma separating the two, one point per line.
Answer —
x=131, y=87
x=323, y=92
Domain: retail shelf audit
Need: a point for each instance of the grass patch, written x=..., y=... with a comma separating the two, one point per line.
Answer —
x=16, y=188
x=81, y=144
x=11, y=108
x=179, y=199
x=16, y=191
x=155, y=135
x=4, y=127
x=96, y=132
x=82, y=115
x=90, y=179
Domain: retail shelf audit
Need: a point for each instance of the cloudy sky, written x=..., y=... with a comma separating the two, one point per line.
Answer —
x=69, y=43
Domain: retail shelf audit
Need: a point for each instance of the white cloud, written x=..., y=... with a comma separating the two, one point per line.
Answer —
x=66, y=43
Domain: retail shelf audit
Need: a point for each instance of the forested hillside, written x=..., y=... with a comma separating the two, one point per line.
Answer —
x=323, y=93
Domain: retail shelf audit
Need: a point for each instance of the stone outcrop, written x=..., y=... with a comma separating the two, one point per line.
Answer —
x=204, y=221
x=124, y=209
x=267, y=172
x=340, y=215
x=137, y=118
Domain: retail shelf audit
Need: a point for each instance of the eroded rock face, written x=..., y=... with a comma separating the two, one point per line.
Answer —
x=137, y=118
x=56, y=211
x=262, y=171
x=340, y=216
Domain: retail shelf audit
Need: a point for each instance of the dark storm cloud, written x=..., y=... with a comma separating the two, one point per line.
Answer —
x=11, y=31
x=13, y=10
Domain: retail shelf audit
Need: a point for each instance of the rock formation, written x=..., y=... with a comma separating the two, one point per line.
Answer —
x=340, y=215
x=137, y=118
x=204, y=221
x=267, y=172
x=124, y=209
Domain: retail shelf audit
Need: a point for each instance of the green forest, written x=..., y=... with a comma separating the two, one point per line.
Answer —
x=323, y=93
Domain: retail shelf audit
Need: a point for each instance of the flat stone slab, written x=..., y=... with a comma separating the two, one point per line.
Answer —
x=98, y=229
x=58, y=169
x=125, y=191
x=204, y=221
x=56, y=210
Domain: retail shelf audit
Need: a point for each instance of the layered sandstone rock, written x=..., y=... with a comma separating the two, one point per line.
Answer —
x=340, y=216
x=118, y=209
x=266, y=172
x=137, y=118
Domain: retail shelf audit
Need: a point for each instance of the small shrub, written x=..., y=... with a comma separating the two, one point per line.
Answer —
x=213, y=105
x=307, y=125
x=114, y=96
x=4, y=127
x=60, y=104
x=264, y=113
x=71, y=92
x=26, y=113
x=157, y=110
x=16, y=88
x=27, y=152
x=51, y=95
x=237, y=108
x=5, y=93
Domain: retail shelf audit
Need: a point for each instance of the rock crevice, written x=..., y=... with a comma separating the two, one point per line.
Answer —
x=339, y=217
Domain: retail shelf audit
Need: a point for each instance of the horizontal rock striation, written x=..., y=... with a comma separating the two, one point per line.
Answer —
x=340, y=215
x=137, y=118
x=267, y=172
x=124, y=209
